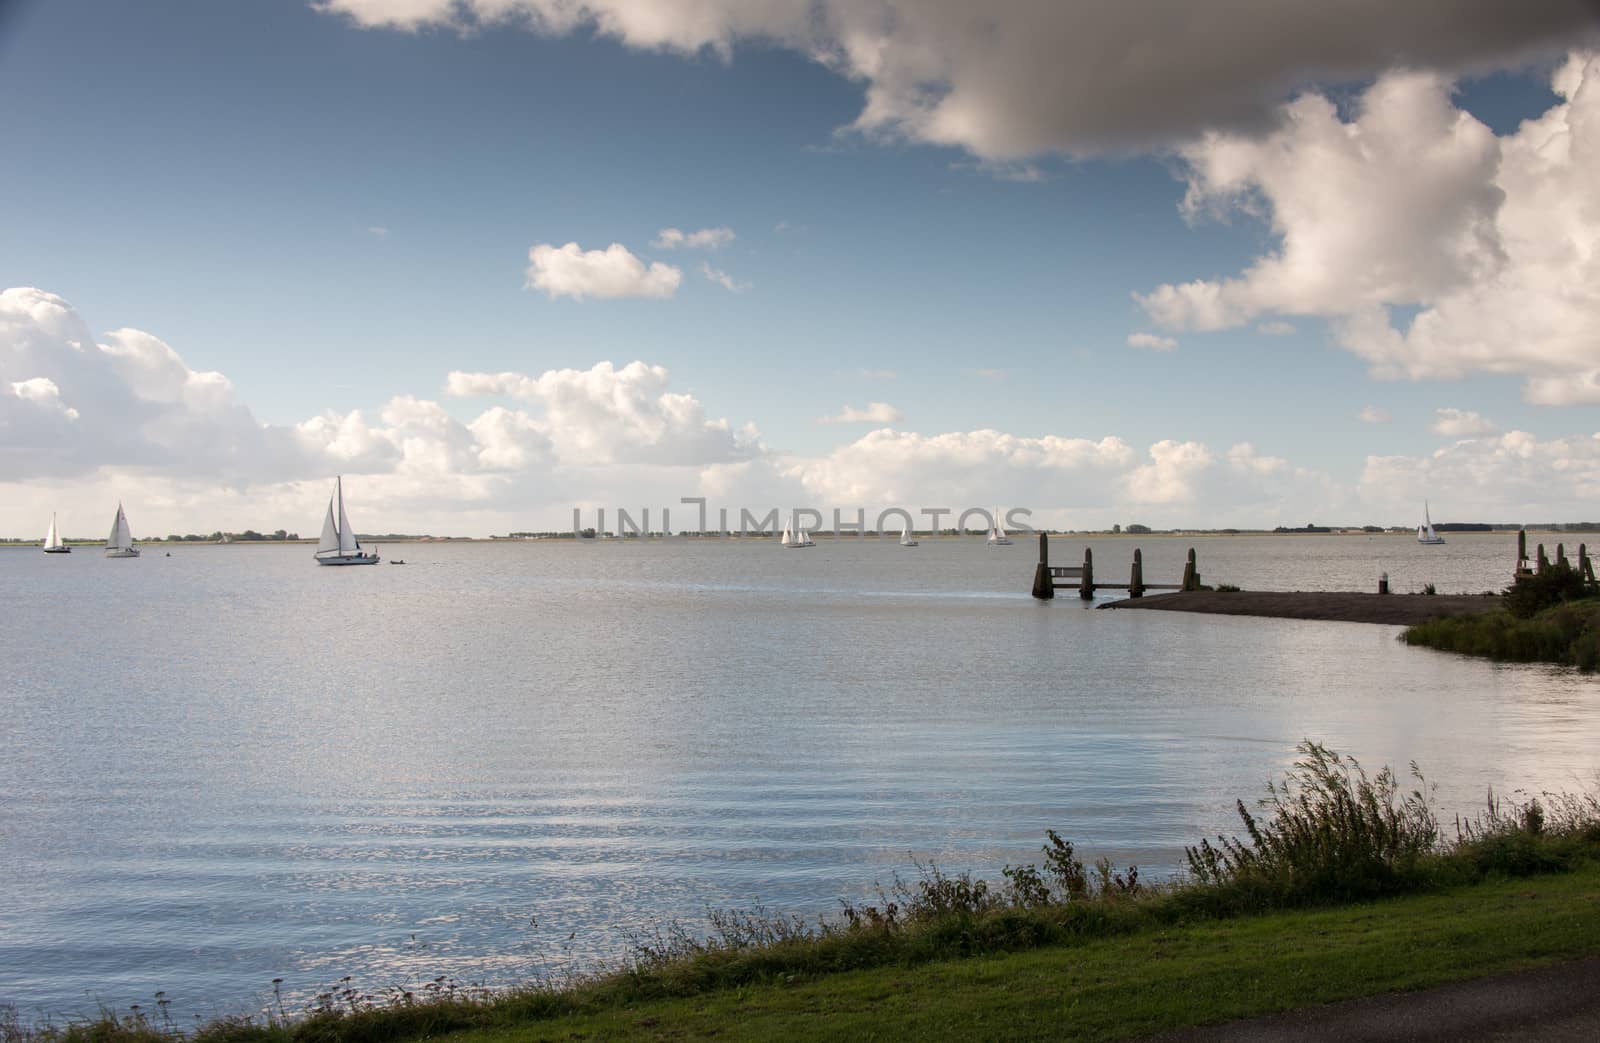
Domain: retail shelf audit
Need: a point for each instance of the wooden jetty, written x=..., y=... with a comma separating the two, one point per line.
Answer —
x=1541, y=564
x=1048, y=578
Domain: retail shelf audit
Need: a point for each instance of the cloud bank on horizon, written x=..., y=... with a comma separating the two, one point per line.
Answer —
x=89, y=420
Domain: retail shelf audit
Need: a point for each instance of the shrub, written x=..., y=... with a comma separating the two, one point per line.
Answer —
x=1533, y=592
x=1329, y=833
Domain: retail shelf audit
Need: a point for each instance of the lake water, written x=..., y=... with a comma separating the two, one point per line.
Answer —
x=229, y=765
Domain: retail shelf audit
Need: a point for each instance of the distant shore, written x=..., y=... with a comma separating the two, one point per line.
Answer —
x=1348, y=607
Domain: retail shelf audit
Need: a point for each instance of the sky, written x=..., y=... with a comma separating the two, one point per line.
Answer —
x=1253, y=263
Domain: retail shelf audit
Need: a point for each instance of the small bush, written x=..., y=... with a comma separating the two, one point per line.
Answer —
x=1534, y=592
x=1329, y=833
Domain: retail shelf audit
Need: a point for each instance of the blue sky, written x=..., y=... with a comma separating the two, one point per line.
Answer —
x=335, y=213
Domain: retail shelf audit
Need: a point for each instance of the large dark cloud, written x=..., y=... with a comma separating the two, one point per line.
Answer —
x=1008, y=79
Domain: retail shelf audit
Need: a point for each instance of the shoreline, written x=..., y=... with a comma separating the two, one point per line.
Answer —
x=1334, y=606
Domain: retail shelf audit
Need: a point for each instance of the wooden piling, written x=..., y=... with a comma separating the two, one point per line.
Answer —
x=1561, y=557
x=1543, y=562
x=1044, y=587
x=1522, y=550
x=1585, y=566
x=1136, y=581
x=1191, y=576
x=1086, y=583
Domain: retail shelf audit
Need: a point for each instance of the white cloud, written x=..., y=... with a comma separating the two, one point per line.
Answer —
x=875, y=413
x=722, y=279
x=1275, y=329
x=604, y=415
x=1029, y=77
x=704, y=239
x=1373, y=415
x=177, y=444
x=1461, y=423
x=378, y=231
x=1415, y=204
x=42, y=392
x=1152, y=342
x=1506, y=478
x=571, y=271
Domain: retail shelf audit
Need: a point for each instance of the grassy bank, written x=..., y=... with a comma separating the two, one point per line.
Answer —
x=1567, y=634
x=1341, y=884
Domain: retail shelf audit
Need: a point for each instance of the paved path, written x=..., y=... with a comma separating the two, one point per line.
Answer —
x=1557, y=1004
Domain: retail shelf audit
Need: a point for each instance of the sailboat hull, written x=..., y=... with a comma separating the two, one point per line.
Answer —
x=58, y=550
x=126, y=552
x=349, y=559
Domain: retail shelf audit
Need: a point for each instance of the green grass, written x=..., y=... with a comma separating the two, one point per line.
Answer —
x=1567, y=633
x=1154, y=980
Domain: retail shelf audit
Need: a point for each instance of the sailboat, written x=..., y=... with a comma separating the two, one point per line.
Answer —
x=997, y=535
x=1425, y=533
x=52, y=540
x=338, y=545
x=120, y=543
x=794, y=536
x=905, y=537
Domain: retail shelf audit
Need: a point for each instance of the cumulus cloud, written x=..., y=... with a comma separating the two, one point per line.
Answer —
x=1373, y=415
x=571, y=271
x=704, y=239
x=1152, y=342
x=723, y=279
x=1027, y=77
x=1461, y=423
x=875, y=413
x=1414, y=204
x=1506, y=478
x=605, y=415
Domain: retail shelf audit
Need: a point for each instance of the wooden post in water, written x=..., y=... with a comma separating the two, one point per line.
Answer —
x=1136, y=581
x=1191, y=577
x=1543, y=562
x=1086, y=584
x=1561, y=556
x=1585, y=566
x=1043, y=585
x=1522, y=551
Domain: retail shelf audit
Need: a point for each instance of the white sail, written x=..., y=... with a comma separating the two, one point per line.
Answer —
x=787, y=538
x=121, y=535
x=52, y=538
x=330, y=532
x=120, y=543
x=348, y=544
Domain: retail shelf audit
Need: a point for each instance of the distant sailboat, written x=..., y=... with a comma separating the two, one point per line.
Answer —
x=52, y=540
x=120, y=543
x=1425, y=533
x=906, y=539
x=997, y=534
x=794, y=536
x=338, y=545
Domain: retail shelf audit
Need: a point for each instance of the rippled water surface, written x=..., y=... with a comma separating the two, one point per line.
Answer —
x=230, y=765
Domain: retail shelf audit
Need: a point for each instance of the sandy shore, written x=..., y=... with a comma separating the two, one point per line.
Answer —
x=1401, y=609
